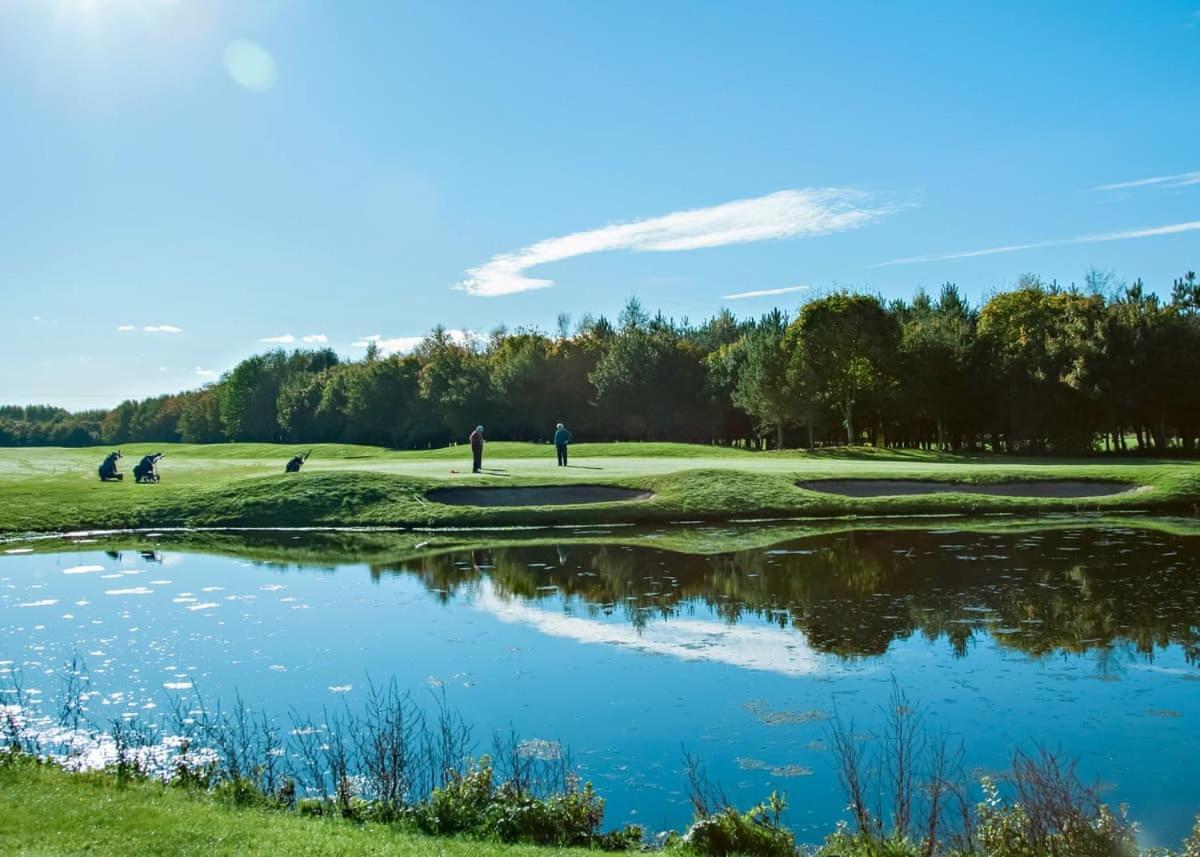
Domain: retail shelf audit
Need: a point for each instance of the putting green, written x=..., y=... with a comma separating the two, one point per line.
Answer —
x=536, y=495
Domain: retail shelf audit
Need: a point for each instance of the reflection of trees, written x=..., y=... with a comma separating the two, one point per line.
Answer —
x=853, y=594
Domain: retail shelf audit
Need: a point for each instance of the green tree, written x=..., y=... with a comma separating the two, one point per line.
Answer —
x=200, y=416
x=937, y=342
x=649, y=379
x=1035, y=338
x=848, y=346
x=454, y=384
x=764, y=388
x=116, y=424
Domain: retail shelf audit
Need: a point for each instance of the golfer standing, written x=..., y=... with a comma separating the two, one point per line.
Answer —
x=477, y=449
x=561, y=438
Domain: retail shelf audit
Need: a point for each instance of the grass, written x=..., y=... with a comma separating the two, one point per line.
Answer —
x=228, y=485
x=47, y=811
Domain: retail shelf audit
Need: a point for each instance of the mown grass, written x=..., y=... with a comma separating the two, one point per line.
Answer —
x=47, y=811
x=225, y=485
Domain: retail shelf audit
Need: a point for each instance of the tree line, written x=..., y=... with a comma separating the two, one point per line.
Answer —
x=1038, y=368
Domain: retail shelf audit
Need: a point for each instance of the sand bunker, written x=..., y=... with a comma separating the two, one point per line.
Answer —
x=1016, y=488
x=542, y=495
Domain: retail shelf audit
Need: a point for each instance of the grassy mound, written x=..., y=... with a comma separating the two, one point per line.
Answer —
x=48, y=490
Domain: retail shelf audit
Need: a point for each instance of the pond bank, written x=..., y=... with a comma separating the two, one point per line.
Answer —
x=45, y=810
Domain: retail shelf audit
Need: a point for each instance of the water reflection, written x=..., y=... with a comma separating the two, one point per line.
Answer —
x=854, y=594
x=623, y=644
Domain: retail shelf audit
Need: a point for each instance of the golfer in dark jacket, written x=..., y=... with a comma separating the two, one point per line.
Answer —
x=561, y=438
x=477, y=449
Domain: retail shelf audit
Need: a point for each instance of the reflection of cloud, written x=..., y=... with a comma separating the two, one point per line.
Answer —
x=1150, y=232
x=752, y=647
x=250, y=65
x=784, y=214
x=762, y=293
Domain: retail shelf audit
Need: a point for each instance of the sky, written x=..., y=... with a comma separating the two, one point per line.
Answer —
x=187, y=182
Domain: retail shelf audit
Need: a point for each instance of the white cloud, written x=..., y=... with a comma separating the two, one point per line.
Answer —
x=1150, y=232
x=286, y=339
x=405, y=344
x=1178, y=180
x=785, y=214
x=316, y=338
x=250, y=65
x=762, y=293
x=162, y=328
x=126, y=328
x=206, y=373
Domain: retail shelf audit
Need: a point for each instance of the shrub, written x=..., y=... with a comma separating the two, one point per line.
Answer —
x=843, y=843
x=571, y=818
x=461, y=805
x=241, y=792
x=1191, y=845
x=755, y=833
x=472, y=803
x=1031, y=828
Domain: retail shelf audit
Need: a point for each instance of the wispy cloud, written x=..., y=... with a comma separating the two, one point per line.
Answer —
x=162, y=328
x=206, y=373
x=288, y=339
x=126, y=328
x=763, y=293
x=405, y=344
x=1177, y=180
x=785, y=214
x=1150, y=232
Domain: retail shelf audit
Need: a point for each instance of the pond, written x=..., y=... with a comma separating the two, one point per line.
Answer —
x=1084, y=637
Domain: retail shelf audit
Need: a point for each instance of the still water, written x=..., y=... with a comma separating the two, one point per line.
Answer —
x=1084, y=638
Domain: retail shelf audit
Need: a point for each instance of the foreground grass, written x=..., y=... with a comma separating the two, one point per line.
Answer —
x=223, y=485
x=46, y=811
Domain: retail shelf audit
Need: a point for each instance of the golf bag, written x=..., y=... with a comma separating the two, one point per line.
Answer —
x=146, y=470
x=108, y=468
x=296, y=462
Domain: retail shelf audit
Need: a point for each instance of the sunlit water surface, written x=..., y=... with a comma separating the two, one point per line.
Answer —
x=1086, y=640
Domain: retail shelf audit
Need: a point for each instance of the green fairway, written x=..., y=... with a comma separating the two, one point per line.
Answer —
x=55, y=489
x=46, y=811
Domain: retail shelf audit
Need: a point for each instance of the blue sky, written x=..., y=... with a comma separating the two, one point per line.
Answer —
x=229, y=172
